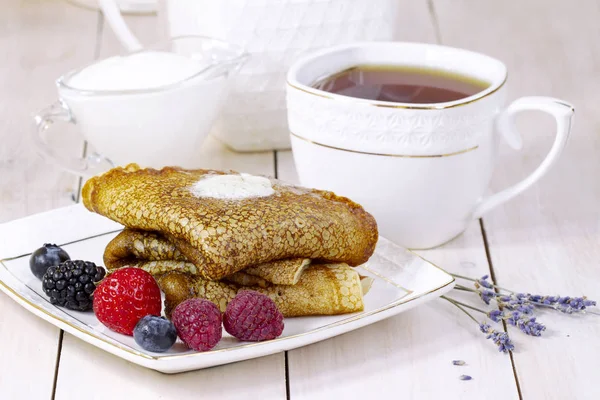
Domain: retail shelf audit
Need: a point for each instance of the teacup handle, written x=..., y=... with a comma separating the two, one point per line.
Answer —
x=59, y=111
x=563, y=114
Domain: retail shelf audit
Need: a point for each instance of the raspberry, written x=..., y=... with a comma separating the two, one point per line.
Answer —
x=198, y=323
x=253, y=317
x=125, y=297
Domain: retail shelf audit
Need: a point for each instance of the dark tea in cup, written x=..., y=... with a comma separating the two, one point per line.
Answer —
x=401, y=84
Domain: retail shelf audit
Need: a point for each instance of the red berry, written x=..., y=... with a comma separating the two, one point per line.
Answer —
x=198, y=323
x=125, y=297
x=253, y=316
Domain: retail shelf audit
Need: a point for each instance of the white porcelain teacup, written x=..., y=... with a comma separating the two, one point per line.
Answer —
x=164, y=124
x=421, y=169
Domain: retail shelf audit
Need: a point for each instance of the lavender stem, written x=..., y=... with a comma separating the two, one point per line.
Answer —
x=464, y=288
x=475, y=280
x=460, y=308
x=465, y=305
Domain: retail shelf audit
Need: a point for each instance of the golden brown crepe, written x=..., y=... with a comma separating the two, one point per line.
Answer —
x=322, y=290
x=222, y=236
x=281, y=272
x=155, y=254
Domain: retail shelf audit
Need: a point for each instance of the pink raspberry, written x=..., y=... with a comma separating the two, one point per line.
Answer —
x=253, y=317
x=198, y=323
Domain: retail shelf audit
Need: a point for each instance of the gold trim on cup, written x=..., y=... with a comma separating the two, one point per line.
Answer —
x=455, y=153
x=442, y=106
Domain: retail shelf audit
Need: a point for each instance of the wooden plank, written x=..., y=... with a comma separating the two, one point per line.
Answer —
x=259, y=378
x=36, y=54
x=546, y=240
x=83, y=366
x=39, y=42
x=410, y=354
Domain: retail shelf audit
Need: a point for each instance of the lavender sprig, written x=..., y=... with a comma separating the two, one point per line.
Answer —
x=525, y=302
x=483, y=282
x=501, y=339
x=566, y=305
x=526, y=324
x=486, y=295
x=570, y=305
x=515, y=303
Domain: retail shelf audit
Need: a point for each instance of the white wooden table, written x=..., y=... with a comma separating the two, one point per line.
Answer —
x=547, y=240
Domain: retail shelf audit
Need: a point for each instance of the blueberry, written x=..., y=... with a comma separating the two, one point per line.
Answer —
x=155, y=334
x=48, y=256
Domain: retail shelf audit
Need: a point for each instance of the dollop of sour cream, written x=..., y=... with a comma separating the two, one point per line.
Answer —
x=233, y=187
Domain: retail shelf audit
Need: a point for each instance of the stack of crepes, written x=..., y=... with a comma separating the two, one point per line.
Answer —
x=296, y=245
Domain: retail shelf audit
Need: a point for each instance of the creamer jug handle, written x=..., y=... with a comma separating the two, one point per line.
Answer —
x=89, y=165
x=112, y=13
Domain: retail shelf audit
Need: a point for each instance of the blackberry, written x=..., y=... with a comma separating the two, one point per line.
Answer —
x=72, y=284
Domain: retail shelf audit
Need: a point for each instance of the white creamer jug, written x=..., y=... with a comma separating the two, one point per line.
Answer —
x=153, y=107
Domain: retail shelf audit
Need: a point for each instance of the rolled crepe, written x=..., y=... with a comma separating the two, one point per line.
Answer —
x=152, y=252
x=222, y=236
x=281, y=272
x=322, y=290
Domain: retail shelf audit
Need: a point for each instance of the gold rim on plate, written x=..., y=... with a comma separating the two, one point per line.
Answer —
x=114, y=343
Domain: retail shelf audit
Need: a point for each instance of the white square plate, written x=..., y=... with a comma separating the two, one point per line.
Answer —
x=402, y=280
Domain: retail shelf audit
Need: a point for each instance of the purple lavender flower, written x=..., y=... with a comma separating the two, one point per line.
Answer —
x=501, y=339
x=485, y=328
x=530, y=327
x=526, y=324
x=570, y=305
x=525, y=302
x=588, y=303
x=512, y=318
x=566, y=304
x=544, y=300
x=514, y=303
x=486, y=295
x=495, y=315
x=483, y=282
